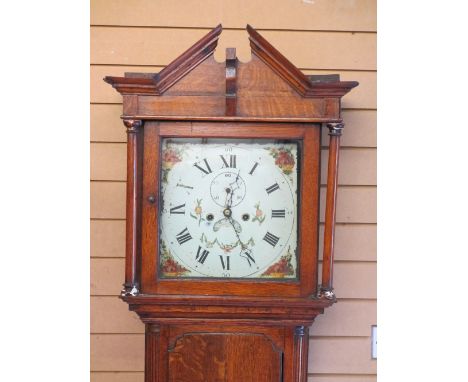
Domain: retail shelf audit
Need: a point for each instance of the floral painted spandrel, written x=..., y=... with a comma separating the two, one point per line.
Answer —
x=168, y=265
x=284, y=159
x=171, y=155
x=282, y=268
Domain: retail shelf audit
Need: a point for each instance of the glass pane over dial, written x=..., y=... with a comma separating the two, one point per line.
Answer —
x=228, y=208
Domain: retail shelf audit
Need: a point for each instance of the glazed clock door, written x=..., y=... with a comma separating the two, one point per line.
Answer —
x=229, y=208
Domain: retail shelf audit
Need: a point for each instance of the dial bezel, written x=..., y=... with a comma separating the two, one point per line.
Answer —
x=307, y=248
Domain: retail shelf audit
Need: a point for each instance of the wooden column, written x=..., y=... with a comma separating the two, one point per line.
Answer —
x=326, y=289
x=152, y=353
x=131, y=285
x=301, y=346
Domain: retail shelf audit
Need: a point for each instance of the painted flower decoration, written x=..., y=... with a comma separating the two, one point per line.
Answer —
x=198, y=211
x=283, y=159
x=169, y=266
x=259, y=215
x=170, y=156
x=228, y=248
x=281, y=268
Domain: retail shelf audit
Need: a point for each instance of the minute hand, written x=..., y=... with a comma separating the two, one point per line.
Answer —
x=232, y=189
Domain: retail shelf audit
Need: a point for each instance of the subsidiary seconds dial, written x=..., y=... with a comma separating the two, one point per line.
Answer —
x=225, y=185
x=228, y=209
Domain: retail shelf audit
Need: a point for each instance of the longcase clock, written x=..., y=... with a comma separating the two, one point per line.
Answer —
x=223, y=184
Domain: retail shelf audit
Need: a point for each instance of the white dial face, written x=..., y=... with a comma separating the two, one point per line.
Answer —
x=228, y=208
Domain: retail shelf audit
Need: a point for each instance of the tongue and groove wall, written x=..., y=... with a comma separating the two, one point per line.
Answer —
x=319, y=37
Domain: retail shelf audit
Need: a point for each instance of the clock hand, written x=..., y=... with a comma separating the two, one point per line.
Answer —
x=237, y=230
x=230, y=190
x=225, y=222
x=245, y=252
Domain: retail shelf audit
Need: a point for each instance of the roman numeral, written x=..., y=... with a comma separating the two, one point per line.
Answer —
x=177, y=210
x=272, y=188
x=271, y=239
x=225, y=262
x=202, y=254
x=232, y=161
x=247, y=254
x=207, y=170
x=183, y=236
x=278, y=213
x=253, y=168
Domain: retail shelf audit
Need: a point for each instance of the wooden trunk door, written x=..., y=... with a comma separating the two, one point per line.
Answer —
x=224, y=357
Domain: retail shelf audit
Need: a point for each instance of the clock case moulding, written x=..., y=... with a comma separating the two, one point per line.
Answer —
x=195, y=96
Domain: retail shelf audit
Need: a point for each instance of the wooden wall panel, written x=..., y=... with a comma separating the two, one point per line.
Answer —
x=117, y=377
x=352, y=241
x=362, y=97
x=107, y=238
x=109, y=161
x=356, y=204
x=145, y=35
x=356, y=242
x=348, y=15
x=111, y=315
x=106, y=125
x=106, y=276
x=117, y=352
x=139, y=377
x=351, y=280
x=343, y=355
x=360, y=126
x=357, y=166
x=159, y=46
x=107, y=200
x=360, y=129
x=349, y=317
x=355, y=280
x=342, y=378
x=346, y=318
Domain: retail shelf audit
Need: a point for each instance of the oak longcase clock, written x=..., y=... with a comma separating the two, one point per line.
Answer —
x=223, y=191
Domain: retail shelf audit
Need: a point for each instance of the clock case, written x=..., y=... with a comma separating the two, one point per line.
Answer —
x=195, y=96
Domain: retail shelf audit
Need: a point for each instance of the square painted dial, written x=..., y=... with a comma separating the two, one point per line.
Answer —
x=228, y=208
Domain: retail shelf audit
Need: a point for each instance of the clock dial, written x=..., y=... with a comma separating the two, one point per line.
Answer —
x=228, y=208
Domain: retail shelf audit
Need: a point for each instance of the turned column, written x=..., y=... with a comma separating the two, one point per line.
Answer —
x=301, y=346
x=131, y=285
x=326, y=289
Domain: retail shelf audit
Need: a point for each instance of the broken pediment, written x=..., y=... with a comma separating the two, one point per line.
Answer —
x=196, y=86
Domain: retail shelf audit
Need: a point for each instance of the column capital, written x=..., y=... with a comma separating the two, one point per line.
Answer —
x=335, y=128
x=299, y=331
x=133, y=125
x=153, y=328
